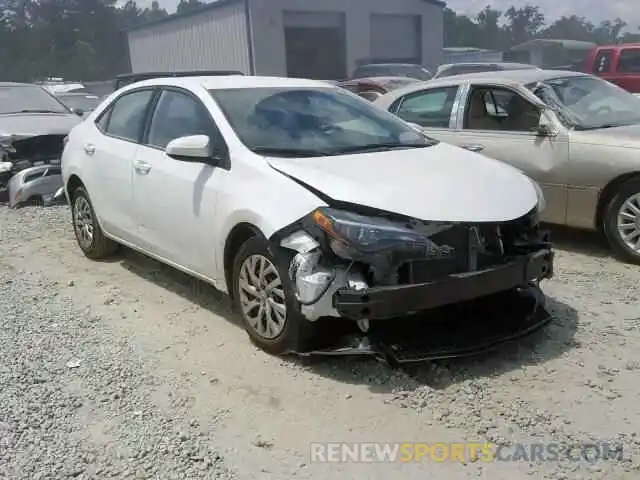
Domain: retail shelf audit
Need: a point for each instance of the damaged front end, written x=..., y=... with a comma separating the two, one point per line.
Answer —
x=19, y=152
x=416, y=290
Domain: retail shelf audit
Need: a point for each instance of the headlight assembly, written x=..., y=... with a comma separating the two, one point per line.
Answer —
x=353, y=236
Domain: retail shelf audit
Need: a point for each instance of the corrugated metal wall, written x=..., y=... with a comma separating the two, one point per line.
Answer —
x=269, y=38
x=214, y=39
x=396, y=38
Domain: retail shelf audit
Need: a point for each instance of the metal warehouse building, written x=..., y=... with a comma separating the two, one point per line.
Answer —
x=324, y=39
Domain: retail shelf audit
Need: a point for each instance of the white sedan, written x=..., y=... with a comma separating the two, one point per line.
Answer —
x=300, y=200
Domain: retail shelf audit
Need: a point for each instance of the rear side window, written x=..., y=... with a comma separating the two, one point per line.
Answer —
x=629, y=60
x=127, y=115
x=602, y=62
x=429, y=108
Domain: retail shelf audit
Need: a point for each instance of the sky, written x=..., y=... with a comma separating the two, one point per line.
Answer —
x=594, y=10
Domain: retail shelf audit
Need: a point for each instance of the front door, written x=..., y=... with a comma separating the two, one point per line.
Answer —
x=500, y=123
x=175, y=200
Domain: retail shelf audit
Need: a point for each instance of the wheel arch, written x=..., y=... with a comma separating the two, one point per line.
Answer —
x=238, y=235
x=607, y=193
x=73, y=183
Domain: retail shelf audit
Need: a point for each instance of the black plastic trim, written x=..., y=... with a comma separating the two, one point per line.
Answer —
x=398, y=300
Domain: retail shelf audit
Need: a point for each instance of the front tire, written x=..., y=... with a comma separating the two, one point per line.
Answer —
x=264, y=297
x=89, y=235
x=622, y=222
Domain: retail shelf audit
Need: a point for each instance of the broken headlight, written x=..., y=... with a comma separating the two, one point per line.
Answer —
x=358, y=237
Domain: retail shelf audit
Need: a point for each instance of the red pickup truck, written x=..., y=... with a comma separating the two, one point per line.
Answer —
x=619, y=64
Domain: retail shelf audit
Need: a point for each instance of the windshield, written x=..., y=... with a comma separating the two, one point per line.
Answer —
x=28, y=98
x=312, y=122
x=585, y=102
x=86, y=103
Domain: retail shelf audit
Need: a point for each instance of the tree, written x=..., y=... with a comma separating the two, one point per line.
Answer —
x=156, y=12
x=490, y=34
x=573, y=27
x=524, y=23
x=189, y=5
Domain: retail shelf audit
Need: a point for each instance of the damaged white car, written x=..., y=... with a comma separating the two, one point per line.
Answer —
x=325, y=218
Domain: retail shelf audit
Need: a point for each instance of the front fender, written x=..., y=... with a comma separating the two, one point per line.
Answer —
x=266, y=199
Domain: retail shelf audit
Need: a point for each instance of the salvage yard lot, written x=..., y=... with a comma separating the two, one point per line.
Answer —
x=128, y=369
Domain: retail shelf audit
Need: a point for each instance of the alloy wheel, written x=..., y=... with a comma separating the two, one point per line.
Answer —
x=262, y=297
x=83, y=221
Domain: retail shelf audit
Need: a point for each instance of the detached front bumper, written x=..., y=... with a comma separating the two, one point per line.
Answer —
x=398, y=300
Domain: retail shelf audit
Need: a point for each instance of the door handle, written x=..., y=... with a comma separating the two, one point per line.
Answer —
x=473, y=148
x=89, y=149
x=141, y=167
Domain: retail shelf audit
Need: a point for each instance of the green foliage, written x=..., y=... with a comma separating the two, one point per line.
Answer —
x=73, y=39
x=497, y=30
x=86, y=40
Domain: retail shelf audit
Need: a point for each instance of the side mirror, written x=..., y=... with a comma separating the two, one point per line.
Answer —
x=78, y=111
x=545, y=130
x=194, y=148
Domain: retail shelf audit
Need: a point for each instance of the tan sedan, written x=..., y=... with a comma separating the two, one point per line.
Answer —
x=577, y=135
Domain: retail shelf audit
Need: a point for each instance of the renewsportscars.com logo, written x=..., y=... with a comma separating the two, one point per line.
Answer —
x=339, y=452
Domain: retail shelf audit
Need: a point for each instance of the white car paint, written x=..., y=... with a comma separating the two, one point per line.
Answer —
x=182, y=213
x=418, y=183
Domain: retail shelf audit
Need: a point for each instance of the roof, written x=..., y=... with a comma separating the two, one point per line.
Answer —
x=507, y=65
x=620, y=45
x=221, y=3
x=508, y=76
x=17, y=84
x=381, y=79
x=503, y=77
x=76, y=94
x=548, y=42
x=232, y=81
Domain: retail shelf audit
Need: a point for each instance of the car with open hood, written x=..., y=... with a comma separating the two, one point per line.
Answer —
x=306, y=203
x=33, y=125
x=575, y=134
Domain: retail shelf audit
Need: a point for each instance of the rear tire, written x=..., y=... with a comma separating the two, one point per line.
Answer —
x=267, y=303
x=89, y=235
x=621, y=222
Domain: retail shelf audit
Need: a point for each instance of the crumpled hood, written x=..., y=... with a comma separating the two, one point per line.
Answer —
x=32, y=124
x=439, y=183
x=627, y=136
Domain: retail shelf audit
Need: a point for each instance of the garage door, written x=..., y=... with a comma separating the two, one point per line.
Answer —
x=315, y=45
x=396, y=38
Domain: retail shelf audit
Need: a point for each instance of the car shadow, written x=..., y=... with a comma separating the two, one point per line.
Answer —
x=196, y=291
x=580, y=241
x=549, y=343
x=542, y=346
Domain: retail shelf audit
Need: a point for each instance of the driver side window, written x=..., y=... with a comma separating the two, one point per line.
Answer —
x=178, y=115
x=495, y=108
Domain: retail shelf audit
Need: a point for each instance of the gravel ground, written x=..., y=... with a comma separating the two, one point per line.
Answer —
x=127, y=369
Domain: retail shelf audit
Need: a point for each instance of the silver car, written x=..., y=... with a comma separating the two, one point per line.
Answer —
x=577, y=135
x=34, y=185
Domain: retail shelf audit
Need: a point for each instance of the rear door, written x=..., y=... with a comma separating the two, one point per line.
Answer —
x=627, y=73
x=109, y=151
